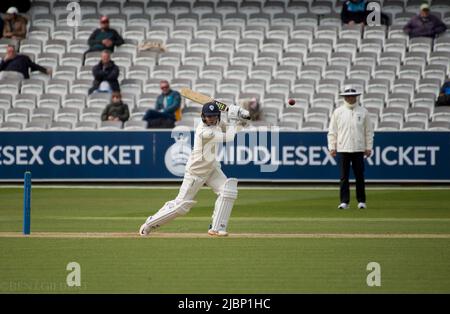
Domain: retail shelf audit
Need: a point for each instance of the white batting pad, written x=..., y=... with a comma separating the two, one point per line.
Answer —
x=166, y=214
x=224, y=205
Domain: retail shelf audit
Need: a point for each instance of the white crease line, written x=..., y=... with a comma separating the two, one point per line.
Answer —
x=234, y=235
x=251, y=219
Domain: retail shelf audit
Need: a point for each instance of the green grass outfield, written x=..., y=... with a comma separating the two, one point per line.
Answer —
x=284, y=241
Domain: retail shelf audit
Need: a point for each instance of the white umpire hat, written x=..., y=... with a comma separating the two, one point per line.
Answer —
x=12, y=10
x=350, y=91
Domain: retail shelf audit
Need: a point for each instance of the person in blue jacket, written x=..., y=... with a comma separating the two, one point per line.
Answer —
x=444, y=95
x=167, y=105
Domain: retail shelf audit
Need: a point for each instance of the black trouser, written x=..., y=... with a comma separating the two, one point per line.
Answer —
x=357, y=162
x=443, y=100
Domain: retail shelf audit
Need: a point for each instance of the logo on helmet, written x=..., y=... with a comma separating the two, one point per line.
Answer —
x=211, y=107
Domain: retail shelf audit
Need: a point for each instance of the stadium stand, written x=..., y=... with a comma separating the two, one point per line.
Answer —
x=272, y=50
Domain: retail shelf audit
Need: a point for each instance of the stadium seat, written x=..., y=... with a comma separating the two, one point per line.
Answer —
x=248, y=45
x=30, y=46
x=237, y=72
x=110, y=125
x=360, y=72
x=85, y=126
x=60, y=126
x=366, y=58
x=226, y=7
x=312, y=126
x=413, y=126
x=244, y=59
x=213, y=72
x=32, y=86
x=321, y=101
x=10, y=126
x=304, y=33
x=438, y=126
x=5, y=101
x=9, y=86
x=424, y=100
x=388, y=126
x=304, y=86
x=375, y=32
x=371, y=45
x=441, y=114
x=206, y=32
x=25, y=101
x=417, y=114
x=399, y=100
x=392, y=59
x=98, y=100
x=158, y=32
x=429, y=85
x=212, y=20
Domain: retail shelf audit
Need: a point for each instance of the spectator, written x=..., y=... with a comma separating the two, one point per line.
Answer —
x=444, y=95
x=104, y=38
x=424, y=24
x=116, y=110
x=355, y=12
x=254, y=107
x=167, y=107
x=106, y=74
x=16, y=65
x=15, y=25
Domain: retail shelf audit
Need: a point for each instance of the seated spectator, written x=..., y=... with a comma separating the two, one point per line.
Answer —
x=15, y=25
x=167, y=107
x=106, y=74
x=15, y=65
x=116, y=110
x=424, y=24
x=104, y=38
x=355, y=12
x=444, y=95
x=254, y=107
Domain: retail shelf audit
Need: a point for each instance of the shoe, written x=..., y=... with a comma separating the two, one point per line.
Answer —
x=362, y=205
x=220, y=233
x=343, y=206
x=143, y=231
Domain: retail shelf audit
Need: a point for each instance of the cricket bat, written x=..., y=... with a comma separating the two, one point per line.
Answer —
x=201, y=98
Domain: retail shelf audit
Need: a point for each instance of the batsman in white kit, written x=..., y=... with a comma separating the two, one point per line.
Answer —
x=204, y=168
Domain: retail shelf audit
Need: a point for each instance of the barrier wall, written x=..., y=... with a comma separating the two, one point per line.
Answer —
x=161, y=156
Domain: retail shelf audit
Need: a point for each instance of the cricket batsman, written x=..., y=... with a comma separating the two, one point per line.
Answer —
x=203, y=168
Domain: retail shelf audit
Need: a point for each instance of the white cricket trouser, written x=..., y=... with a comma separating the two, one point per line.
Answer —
x=192, y=184
x=226, y=190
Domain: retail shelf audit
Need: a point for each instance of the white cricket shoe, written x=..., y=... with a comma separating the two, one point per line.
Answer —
x=144, y=230
x=220, y=233
x=343, y=206
x=362, y=205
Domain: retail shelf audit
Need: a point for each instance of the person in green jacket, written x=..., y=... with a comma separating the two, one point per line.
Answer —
x=116, y=110
x=103, y=38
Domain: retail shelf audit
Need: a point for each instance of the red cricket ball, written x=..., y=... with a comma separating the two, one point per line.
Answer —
x=291, y=101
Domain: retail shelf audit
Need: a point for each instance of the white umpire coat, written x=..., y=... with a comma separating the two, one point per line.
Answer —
x=350, y=130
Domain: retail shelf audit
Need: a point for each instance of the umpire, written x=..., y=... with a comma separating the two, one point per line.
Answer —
x=351, y=135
